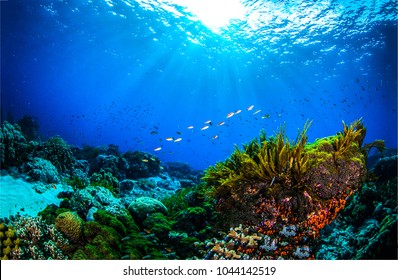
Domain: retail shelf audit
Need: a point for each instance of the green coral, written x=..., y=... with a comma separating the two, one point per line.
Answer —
x=50, y=213
x=158, y=224
x=103, y=243
x=106, y=180
x=9, y=242
x=105, y=218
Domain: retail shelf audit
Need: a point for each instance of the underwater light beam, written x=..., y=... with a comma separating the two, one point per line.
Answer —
x=215, y=14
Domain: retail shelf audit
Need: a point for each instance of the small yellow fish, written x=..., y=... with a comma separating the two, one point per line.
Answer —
x=221, y=123
x=258, y=111
x=157, y=149
x=230, y=114
x=190, y=127
x=178, y=139
x=145, y=160
x=205, y=127
x=169, y=139
x=238, y=111
x=250, y=108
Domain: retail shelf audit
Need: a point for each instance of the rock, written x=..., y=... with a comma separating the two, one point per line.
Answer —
x=144, y=206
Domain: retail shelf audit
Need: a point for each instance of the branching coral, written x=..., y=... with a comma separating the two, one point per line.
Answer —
x=39, y=240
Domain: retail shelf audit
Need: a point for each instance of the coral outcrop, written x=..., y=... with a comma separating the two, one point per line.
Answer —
x=279, y=187
x=13, y=146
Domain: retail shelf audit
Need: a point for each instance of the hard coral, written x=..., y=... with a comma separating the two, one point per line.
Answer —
x=70, y=224
x=58, y=152
x=13, y=145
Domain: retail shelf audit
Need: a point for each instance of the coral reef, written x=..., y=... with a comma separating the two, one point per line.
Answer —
x=13, y=146
x=39, y=169
x=106, y=180
x=143, y=206
x=39, y=240
x=96, y=197
x=58, y=152
x=367, y=227
x=272, y=185
x=137, y=164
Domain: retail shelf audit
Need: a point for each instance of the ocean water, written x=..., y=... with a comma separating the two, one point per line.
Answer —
x=133, y=73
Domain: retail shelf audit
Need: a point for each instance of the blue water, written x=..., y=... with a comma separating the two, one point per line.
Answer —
x=133, y=73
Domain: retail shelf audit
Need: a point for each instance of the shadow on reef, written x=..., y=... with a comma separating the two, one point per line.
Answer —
x=272, y=199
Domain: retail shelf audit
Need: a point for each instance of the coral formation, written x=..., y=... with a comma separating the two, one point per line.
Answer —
x=139, y=165
x=70, y=224
x=143, y=206
x=13, y=145
x=9, y=242
x=271, y=185
x=58, y=152
x=39, y=169
x=39, y=240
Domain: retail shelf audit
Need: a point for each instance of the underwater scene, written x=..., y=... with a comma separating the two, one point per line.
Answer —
x=198, y=129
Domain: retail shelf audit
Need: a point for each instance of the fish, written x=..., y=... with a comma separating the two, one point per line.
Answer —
x=250, y=108
x=238, y=111
x=178, y=132
x=169, y=139
x=208, y=122
x=157, y=149
x=178, y=139
x=205, y=127
x=190, y=127
x=154, y=132
x=266, y=116
x=215, y=137
x=258, y=111
x=230, y=114
x=145, y=160
x=221, y=123
x=54, y=186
